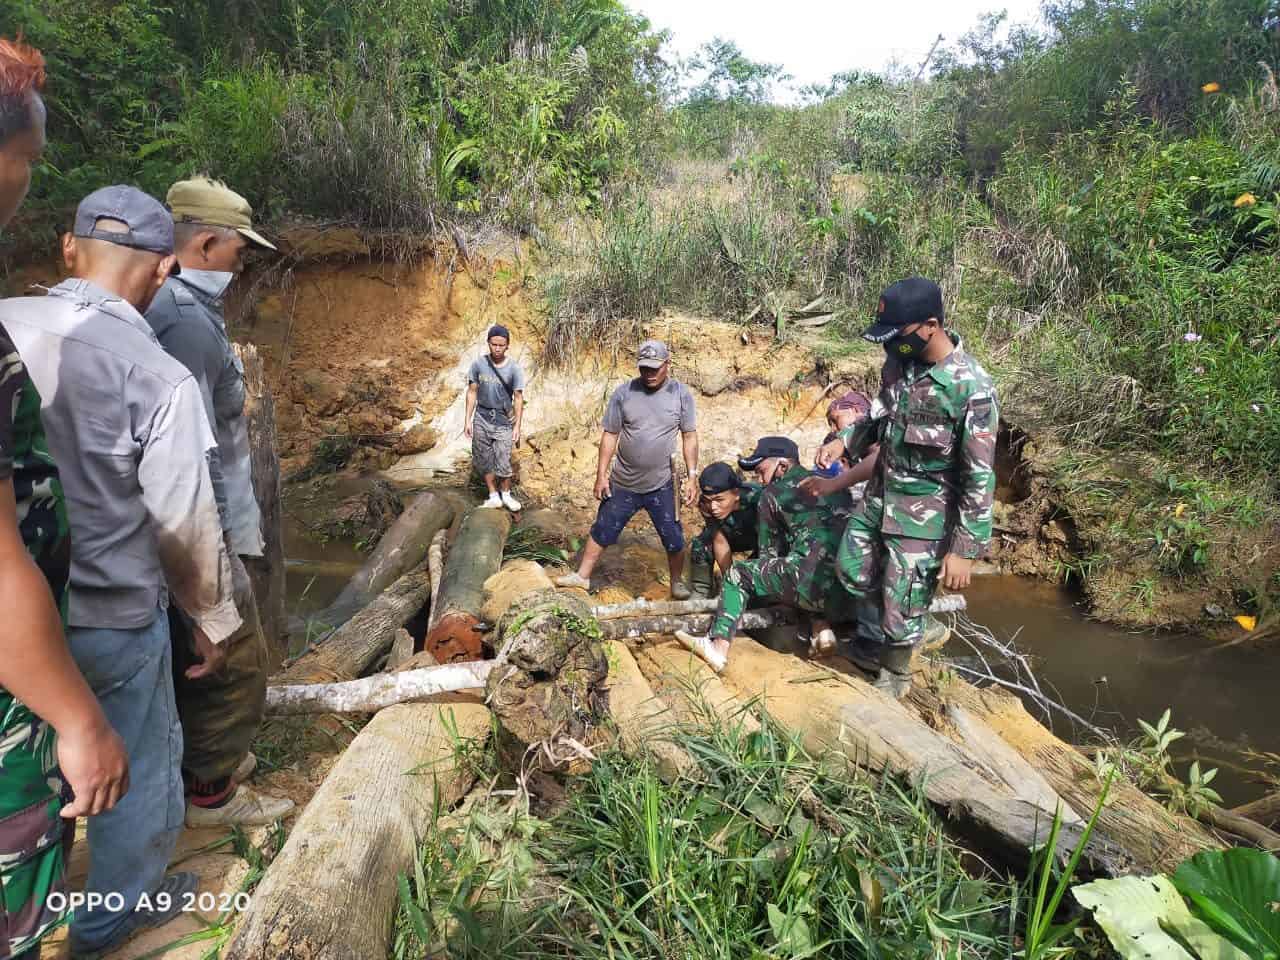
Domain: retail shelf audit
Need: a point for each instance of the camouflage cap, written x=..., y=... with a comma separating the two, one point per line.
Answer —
x=201, y=200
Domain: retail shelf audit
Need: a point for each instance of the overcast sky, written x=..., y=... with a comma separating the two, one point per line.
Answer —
x=813, y=39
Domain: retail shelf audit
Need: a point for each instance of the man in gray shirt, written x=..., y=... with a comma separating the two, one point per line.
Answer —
x=640, y=426
x=495, y=408
x=127, y=427
x=222, y=713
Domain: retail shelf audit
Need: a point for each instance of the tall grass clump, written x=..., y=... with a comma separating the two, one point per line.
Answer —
x=762, y=851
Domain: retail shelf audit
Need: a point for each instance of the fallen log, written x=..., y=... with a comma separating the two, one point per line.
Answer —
x=402, y=548
x=641, y=717
x=1154, y=838
x=268, y=571
x=1265, y=811
x=689, y=688
x=950, y=603
x=355, y=646
x=401, y=650
x=475, y=556
x=435, y=564
x=631, y=628
x=833, y=713
x=374, y=693
x=330, y=893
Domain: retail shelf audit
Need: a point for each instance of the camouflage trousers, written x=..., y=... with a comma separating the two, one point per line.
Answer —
x=805, y=581
x=221, y=713
x=702, y=551
x=898, y=575
x=33, y=840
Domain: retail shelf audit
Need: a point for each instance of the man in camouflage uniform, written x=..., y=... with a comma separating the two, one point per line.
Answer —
x=927, y=513
x=59, y=758
x=729, y=507
x=795, y=564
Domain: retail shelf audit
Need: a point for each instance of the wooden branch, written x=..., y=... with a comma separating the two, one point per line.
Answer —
x=330, y=894
x=641, y=718
x=267, y=572
x=1265, y=811
x=401, y=650
x=435, y=564
x=355, y=646
x=948, y=603
x=402, y=548
x=381, y=690
x=635, y=627
x=475, y=556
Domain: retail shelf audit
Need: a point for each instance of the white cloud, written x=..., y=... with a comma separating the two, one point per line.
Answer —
x=813, y=39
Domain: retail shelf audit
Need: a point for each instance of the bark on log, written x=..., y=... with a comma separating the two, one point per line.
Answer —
x=950, y=603
x=1155, y=839
x=836, y=713
x=401, y=650
x=1265, y=811
x=632, y=628
x=689, y=688
x=475, y=556
x=355, y=646
x=371, y=694
x=402, y=548
x=435, y=564
x=330, y=893
x=268, y=572
x=641, y=717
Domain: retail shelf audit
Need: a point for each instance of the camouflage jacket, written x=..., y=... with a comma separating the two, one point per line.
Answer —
x=791, y=523
x=24, y=456
x=740, y=528
x=936, y=426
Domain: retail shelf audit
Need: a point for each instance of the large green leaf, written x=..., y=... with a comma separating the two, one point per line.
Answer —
x=1238, y=893
x=1145, y=919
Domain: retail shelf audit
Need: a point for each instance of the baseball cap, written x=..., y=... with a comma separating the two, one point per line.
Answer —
x=717, y=478
x=201, y=200
x=653, y=354
x=498, y=330
x=769, y=447
x=148, y=224
x=908, y=301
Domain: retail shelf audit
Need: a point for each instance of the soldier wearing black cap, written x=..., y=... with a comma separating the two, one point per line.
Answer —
x=797, y=545
x=729, y=506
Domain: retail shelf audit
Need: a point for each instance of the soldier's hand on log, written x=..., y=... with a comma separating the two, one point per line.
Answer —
x=602, y=490
x=212, y=656
x=956, y=572
x=96, y=767
x=829, y=453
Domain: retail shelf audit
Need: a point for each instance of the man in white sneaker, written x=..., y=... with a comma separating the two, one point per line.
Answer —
x=495, y=407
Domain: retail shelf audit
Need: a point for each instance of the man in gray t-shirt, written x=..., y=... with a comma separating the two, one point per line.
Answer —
x=640, y=426
x=495, y=407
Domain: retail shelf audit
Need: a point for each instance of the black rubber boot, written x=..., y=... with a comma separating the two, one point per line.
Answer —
x=895, y=671
x=864, y=653
x=701, y=580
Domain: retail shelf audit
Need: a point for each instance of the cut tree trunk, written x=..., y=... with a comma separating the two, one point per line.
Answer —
x=1265, y=811
x=402, y=548
x=632, y=628
x=1155, y=838
x=371, y=694
x=642, y=719
x=267, y=572
x=690, y=689
x=330, y=894
x=475, y=556
x=949, y=603
x=355, y=646
x=832, y=712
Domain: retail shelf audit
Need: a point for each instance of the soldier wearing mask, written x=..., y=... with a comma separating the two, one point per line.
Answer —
x=221, y=712
x=927, y=513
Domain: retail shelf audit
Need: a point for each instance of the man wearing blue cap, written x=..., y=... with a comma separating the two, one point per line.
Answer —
x=495, y=409
x=126, y=424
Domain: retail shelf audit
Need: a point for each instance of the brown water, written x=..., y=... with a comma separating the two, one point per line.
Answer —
x=1227, y=701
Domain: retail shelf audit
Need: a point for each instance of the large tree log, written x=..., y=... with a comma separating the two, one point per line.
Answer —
x=371, y=694
x=268, y=572
x=690, y=689
x=949, y=603
x=642, y=719
x=330, y=893
x=475, y=556
x=402, y=548
x=1155, y=838
x=1265, y=811
x=357, y=644
x=633, y=628
x=836, y=713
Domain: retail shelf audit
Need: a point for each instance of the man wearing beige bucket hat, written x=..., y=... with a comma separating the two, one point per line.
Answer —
x=221, y=712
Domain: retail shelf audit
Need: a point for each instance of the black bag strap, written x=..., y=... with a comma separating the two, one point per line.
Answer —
x=511, y=394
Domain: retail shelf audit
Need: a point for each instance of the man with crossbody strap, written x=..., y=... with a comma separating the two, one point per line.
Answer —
x=495, y=408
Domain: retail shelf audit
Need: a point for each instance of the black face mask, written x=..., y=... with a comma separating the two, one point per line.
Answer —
x=907, y=346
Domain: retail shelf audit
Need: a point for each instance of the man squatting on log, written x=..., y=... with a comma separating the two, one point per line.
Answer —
x=495, y=411
x=640, y=426
x=926, y=514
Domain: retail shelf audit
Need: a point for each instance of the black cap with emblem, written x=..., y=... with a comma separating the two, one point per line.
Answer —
x=913, y=300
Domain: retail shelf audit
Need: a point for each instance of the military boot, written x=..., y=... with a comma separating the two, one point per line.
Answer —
x=895, y=671
x=701, y=579
x=864, y=653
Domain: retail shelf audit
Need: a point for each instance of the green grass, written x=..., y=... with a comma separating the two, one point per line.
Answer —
x=762, y=852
